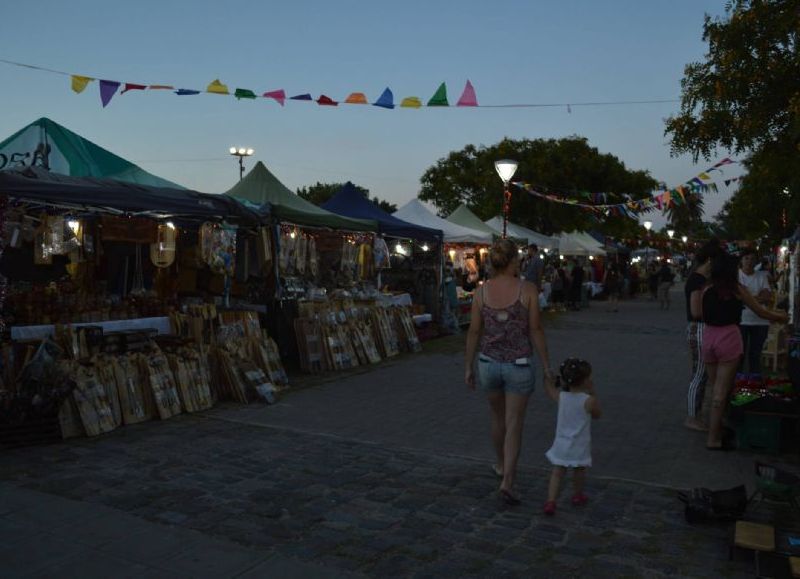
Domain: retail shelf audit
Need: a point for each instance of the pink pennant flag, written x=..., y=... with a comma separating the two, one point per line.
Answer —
x=468, y=98
x=108, y=89
x=278, y=95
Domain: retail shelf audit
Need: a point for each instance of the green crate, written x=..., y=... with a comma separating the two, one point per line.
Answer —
x=759, y=433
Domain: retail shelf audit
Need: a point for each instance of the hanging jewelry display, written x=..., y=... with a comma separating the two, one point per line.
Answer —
x=162, y=253
x=313, y=259
x=137, y=288
x=218, y=247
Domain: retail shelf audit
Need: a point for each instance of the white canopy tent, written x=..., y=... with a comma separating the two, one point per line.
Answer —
x=416, y=213
x=575, y=244
x=520, y=232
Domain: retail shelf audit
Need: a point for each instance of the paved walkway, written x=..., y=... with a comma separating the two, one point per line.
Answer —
x=383, y=473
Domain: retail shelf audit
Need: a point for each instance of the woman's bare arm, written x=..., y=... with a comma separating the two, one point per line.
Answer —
x=759, y=310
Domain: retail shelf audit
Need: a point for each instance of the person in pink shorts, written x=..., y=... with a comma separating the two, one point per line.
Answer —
x=719, y=305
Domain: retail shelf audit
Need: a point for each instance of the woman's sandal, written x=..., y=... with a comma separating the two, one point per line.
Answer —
x=498, y=472
x=509, y=498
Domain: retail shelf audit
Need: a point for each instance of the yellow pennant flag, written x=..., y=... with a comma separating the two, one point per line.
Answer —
x=704, y=176
x=411, y=102
x=79, y=82
x=217, y=87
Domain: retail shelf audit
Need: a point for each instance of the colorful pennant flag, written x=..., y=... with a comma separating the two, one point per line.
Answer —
x=326, y=101
x=357, y=98
x=411, y=103
x=131, y=86
x=107, y=90
x=216, y=87
x=386, y=100
x=79, y=83
x=186, y=92
x=277, y=95
x=161, y=87
x=439, y=99
x=301, y=97
x=244, y=93
x=468, y=98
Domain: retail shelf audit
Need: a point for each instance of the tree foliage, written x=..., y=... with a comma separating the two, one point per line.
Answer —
x=745, y=97
x=567, y=166
x=319, y=193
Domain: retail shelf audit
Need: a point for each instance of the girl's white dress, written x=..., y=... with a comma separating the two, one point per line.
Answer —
x=573, y=443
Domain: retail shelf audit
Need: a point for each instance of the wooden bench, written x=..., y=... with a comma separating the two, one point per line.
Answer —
x=754, y=537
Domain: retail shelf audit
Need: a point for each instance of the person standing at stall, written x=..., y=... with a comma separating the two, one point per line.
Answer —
x=719, y=305
x=534, y=266
x=505, y=328
x=754, y=329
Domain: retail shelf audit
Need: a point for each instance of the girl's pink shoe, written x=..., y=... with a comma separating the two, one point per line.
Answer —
x=579, y=500
x=550, y=508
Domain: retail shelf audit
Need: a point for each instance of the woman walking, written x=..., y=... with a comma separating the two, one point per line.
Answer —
x=504, y=330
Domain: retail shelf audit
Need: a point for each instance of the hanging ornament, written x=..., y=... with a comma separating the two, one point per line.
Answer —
x=162, y=253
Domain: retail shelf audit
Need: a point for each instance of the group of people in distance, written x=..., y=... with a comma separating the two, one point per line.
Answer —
x=505, y=329
x=728, y=318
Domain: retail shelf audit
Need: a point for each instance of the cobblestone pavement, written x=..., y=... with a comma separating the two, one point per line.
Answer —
x=367, y=508
x=386, y=472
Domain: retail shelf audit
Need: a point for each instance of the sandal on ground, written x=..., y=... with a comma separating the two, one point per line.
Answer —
x=498, y=472
x=579, y=499
x=549, y=508
x=509, y=498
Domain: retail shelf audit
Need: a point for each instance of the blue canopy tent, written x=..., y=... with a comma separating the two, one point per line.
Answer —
x=349, y=202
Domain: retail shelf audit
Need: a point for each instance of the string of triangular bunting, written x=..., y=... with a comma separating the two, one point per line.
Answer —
x=108, y=89
x=701, y=183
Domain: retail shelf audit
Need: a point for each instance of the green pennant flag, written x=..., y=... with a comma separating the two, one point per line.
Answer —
x=440, y=98
x=244, y=93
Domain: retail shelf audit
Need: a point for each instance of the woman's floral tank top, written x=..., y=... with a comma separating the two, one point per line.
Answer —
x=505, y=330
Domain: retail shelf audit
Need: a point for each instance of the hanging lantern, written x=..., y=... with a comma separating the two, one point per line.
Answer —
x=162, y=252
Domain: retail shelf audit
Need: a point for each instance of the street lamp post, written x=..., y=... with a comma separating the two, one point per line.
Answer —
x=241, y=152
x=647, y=225
x=506, y=169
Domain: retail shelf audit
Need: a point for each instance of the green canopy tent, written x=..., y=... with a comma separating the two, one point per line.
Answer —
x=466, y=218
x=260, y=187
x=45, y=143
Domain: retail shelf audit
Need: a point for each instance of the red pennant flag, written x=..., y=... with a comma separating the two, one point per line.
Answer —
x=326, y=101
x=131, y=86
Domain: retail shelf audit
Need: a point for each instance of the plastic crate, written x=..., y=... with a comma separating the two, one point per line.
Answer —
x=759, y=433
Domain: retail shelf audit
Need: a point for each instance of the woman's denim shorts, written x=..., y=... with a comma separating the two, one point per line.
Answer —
x=508, y=377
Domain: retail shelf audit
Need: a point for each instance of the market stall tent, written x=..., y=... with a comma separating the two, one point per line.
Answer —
x=466, y=218
x=575, y=245
x=45, y=143
x=34, y=185
x=520, y=232
x=415, y=212
x=260, y=187
x=348, y=201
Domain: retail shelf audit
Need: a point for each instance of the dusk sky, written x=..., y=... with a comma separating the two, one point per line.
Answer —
x=512, y=52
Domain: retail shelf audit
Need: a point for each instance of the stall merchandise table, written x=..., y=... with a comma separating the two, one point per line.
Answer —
x=28, y=333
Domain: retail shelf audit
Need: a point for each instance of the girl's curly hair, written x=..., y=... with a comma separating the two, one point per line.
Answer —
x=572, y=372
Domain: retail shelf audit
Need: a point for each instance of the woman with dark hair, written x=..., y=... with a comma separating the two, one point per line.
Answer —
x=505, y=324
x=719, y=305
x=695, y=419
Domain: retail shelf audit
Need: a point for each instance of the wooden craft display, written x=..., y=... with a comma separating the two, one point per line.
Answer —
x=155, y=368
x=91, y=398
x=135, y=395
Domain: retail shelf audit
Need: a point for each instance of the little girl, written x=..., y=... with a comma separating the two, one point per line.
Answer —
x=572, y=447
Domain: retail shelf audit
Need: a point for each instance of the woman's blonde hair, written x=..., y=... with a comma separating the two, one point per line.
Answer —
x=503, y=252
